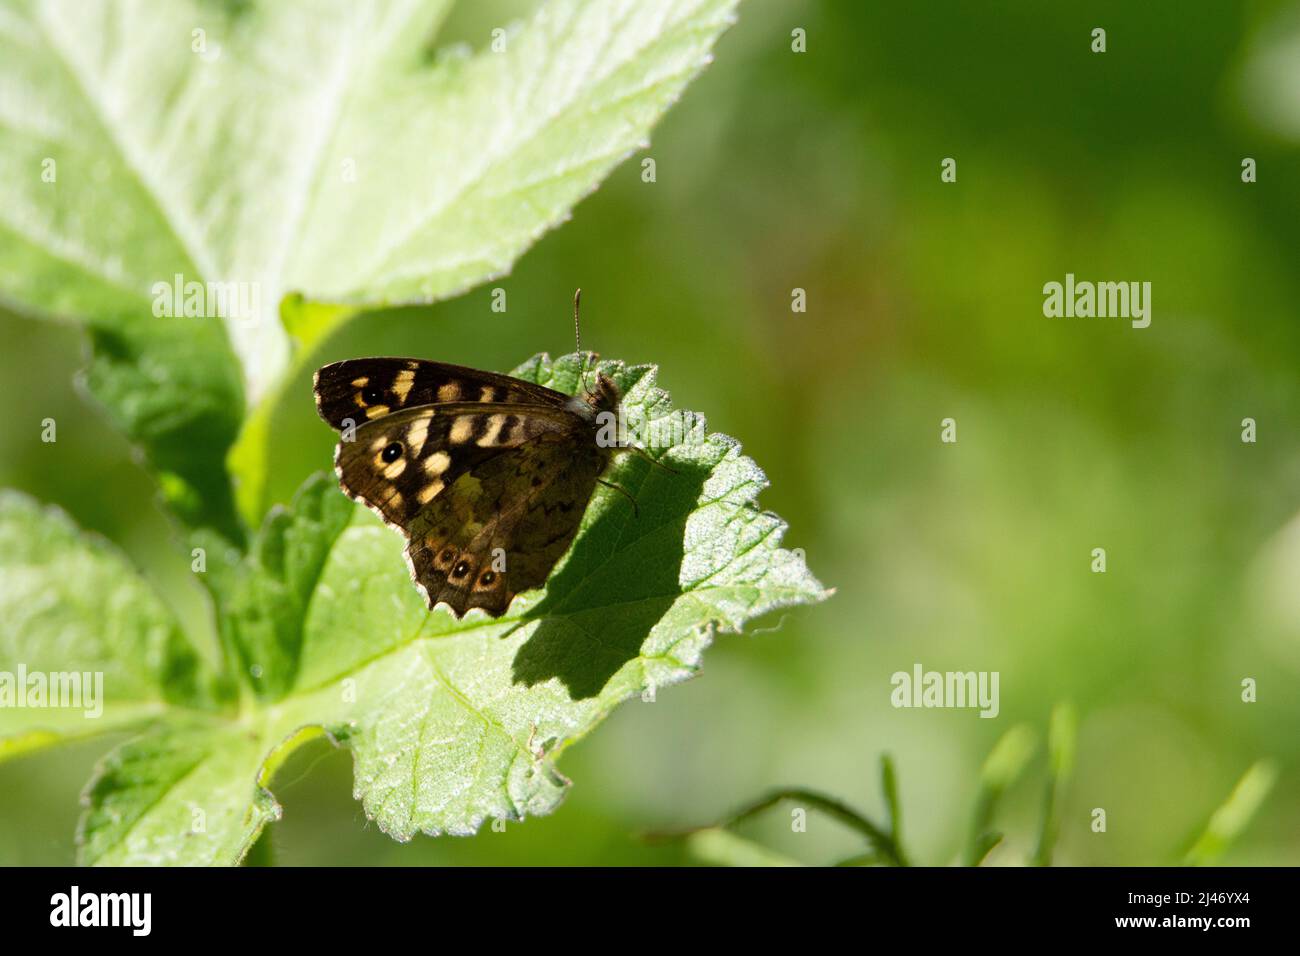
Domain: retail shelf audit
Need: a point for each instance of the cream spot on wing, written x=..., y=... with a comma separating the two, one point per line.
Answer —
x=395, y=468
x=428, y=491
x=379, y=443
x=374, y=411
x=402, y=384
x=461, y=429
x=449, y=392
x=395, y=501
x=361, y=382
x=416, y=435
x=493, y=430
x=412, y=365
x=486, y=392
x=437, y=463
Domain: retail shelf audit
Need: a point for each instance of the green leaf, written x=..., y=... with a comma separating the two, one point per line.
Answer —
x=182, y=795
x=262, y=597
x=454, y=722
x=1234, y=815
x=296, y=145
x=175, y=392
x=1001, y=768
x=314, y=146
x=73, y=610
x=1062, y=734
x=522, y=135
x=889, y=790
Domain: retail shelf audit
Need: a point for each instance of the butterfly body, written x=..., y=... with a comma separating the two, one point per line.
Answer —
x=486, y=476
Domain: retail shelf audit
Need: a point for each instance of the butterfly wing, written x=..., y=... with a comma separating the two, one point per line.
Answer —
x=501, y=526
x=400, y=462
x=487, y=476
x=366, y=389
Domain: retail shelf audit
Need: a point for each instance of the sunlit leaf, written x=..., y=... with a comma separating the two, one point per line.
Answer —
x=453, y=722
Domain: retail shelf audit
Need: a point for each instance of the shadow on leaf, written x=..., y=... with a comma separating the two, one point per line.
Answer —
x=621, y=577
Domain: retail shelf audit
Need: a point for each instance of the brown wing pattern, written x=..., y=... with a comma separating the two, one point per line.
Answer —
x=363, y=390
x=502, y=525
x=487, y=476
x=400, y=462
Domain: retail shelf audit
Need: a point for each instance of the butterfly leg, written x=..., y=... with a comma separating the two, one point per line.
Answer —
x=636, y=512
x=513, y=627
x=642, y=453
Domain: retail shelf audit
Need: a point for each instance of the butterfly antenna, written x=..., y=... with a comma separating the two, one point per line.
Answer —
x=577, y=340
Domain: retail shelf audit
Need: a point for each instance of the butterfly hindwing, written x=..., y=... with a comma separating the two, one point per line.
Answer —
x=502, y=525
x=363, y=390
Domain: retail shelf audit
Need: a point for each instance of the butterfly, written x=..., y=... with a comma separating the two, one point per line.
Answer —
x=485, y=475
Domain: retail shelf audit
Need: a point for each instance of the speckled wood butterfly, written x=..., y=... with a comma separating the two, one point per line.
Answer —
x=486, y=476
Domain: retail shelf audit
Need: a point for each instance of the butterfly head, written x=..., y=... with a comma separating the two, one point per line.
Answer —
x=599, y=395
x=603, y=395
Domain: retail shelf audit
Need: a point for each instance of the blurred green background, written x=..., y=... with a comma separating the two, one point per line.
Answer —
x=821, y=171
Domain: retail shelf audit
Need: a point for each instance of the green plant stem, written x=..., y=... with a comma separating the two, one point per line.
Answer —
x=1061, y=735
x=1001, y=768
x=885, y=847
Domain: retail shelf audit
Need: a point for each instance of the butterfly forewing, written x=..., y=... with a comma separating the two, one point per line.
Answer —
x=362, y=390
x=399, y=463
